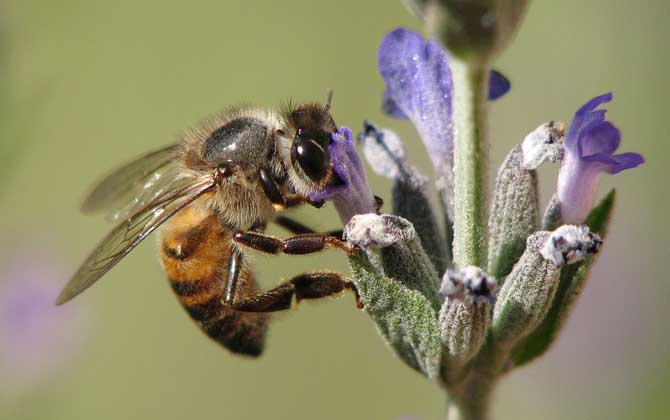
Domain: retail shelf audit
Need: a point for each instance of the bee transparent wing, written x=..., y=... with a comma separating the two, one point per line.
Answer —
x=132, y=186
x=128, y=234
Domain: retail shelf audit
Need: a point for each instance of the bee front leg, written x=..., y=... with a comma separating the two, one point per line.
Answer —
x=298, y=228
x=279, y=200
x=297, y=245
x=314, y=285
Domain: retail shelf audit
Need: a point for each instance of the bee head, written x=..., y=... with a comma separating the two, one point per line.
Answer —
x=313, y=127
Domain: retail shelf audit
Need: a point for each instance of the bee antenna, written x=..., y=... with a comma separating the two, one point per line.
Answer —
x=329, y=100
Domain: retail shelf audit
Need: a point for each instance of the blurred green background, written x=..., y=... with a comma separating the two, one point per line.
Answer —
x=87, y=85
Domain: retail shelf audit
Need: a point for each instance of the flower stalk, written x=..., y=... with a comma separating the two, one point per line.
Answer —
x=470, y=160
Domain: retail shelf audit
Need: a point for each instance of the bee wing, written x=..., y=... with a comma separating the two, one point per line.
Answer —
x=128, y=234
x=132, y=186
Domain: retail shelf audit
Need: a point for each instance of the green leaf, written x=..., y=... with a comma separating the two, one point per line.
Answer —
x=404, y=317
x=514, y=213
x=573, y=278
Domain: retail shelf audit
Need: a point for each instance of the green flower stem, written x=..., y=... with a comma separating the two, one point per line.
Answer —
x=471, y=400
x=470, y=162
x=472, y=396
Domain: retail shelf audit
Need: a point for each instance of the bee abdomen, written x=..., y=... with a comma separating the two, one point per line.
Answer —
x=195, y=255
x=188, y=288
x=237, y=331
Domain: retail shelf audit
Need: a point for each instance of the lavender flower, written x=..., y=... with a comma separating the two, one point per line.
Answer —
x=589, y=151
x=37, y=338
x=354, y=196
x=419, y=87
x=467, y=331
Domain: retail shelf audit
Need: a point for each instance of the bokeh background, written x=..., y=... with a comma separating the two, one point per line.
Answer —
x=86, y=85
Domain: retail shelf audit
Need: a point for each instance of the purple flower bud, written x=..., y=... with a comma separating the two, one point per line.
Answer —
x=353, y=196
x=589, y=151
x=37, y=338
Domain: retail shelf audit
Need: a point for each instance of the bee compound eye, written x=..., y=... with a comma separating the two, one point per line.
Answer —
x=311, y=157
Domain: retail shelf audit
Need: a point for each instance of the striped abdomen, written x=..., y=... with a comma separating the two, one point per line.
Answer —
x=195, y=252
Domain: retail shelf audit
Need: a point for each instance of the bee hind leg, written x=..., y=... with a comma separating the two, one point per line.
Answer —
x=315, y=285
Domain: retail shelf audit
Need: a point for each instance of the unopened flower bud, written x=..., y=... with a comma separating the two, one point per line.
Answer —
x=474, y=29
x=378, y=231
x=465, y=315
x=403, y=258
x=514, y=213
x=526, y=295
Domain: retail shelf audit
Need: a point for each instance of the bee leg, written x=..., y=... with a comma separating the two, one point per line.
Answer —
x=298, y=228
x=314, y=285
x=279, y=200
x=234, y=270
x=298, y=245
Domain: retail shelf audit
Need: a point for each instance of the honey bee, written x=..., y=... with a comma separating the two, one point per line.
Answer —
x=216, y=190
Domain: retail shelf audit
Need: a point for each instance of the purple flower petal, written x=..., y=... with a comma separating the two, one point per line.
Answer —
x=598, y=137
x=625, y=161
x=584, y=116
x=390, y=108
x=499, y=85
x=353, y=196
x=419, y=86
x=589, y=148
x=613, y=164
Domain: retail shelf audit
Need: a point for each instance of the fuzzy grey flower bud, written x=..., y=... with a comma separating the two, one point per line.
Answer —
x=569, y=244
x=514, y=213
x=403, y=257
x=545, y=143
x=526, y=295
x=404, y=317
x=378, y=231
x=572, y=280
x=463, y=330
x=464, y=316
